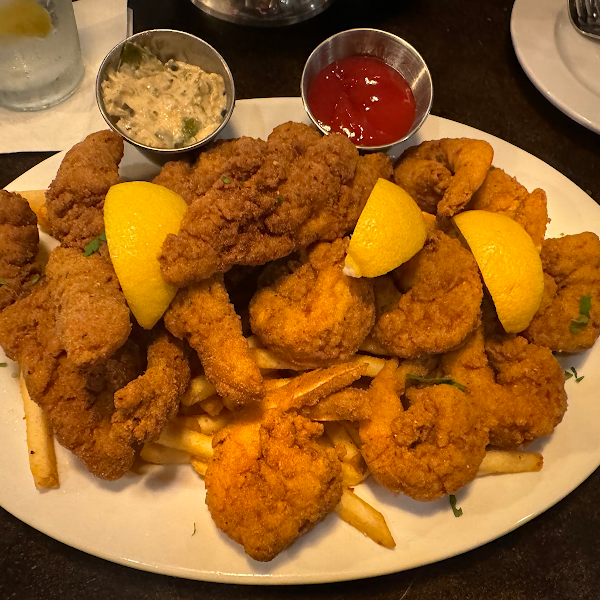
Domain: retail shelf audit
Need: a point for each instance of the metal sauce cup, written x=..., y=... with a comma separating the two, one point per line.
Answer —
x=168, y=44
x=390, y=49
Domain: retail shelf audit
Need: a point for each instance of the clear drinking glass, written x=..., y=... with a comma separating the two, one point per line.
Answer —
x=40, y=55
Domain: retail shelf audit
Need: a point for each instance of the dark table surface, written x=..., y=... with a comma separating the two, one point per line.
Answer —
x=477, y=81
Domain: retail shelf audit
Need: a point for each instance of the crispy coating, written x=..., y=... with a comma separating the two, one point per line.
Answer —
x=92, y=316
x=270, y=481
x=349, y=404
x=571, y=270
x=441, y=306
x=311, y=314
x=75, y=199
x=203, y=315
x=237, y=159
x=503, y=194
x=303, y=192
x=19, y=241
x=519, y=386
x=78, y=401
x=442, y=175
x=145, y=404
x=431, y=449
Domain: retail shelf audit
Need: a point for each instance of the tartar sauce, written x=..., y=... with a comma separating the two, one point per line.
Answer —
x=163, y=105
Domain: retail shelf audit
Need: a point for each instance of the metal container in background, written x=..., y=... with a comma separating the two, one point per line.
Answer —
x=387, y=47
x=168, y=44
x=263, y=13
x=40, y=56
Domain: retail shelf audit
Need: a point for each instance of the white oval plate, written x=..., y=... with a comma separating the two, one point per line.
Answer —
x=158, y=521
x=560, y=62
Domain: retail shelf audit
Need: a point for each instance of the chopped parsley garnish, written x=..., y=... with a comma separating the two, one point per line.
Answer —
x=279, y=200
x=3, y=364
x=225, y=179
x=131, y=55
x=33, y=280
x=94, y=245
x=457, y=511
x=585, y=304
x=573, y=374
x=189, y=128
x=437, y=381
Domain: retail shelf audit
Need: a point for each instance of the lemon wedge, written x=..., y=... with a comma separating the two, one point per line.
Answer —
x=24, y=18
x=137, y=217
x=390, y=230
x=509, y=263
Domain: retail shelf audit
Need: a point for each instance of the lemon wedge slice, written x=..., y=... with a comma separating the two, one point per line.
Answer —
x=24, y=18
x=390, y=230
x=137, y=217
x=509, y=263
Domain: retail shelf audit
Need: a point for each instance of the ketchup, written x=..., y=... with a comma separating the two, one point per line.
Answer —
x=364, y=98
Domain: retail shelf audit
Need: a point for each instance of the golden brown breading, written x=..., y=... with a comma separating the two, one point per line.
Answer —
x=442, y=304
x=78, y=401
x=300, y=194
x=503, y=194
x=311, y=314
x=442, y=175
x=431, y=449
x=75, y=199
x=519, y=386
x=145, y=404
x=203, y=315
x=92, y=315
x=19, y=240
x=572, y=270
x=270, y=481
x=237, y=159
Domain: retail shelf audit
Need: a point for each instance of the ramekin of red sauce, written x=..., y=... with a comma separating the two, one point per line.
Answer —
x=368, y=84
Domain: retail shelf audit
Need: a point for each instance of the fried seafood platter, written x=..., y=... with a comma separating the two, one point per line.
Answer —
x=276, y=390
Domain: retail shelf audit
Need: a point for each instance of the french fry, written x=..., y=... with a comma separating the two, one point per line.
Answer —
x=205, y=423
x=199, y=465
x=37, y=202
x=40, y=443
x=176, y=435
x=162, y=455
x=213, y=405
x=265, y=359
x=354, y=468
x=374, y=364
x=496, y=462
x=200, y=388
x=362, y=516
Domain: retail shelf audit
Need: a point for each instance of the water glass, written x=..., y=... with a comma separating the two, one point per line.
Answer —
x=40, y=56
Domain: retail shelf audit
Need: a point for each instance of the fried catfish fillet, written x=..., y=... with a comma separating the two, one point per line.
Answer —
x=203, y=314
x=270, y=481
x=19, y=241
x=75, y=199
x=307, y=188
x=92, y=317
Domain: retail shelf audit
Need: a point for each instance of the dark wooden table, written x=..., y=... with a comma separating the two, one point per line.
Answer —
x=478, y=81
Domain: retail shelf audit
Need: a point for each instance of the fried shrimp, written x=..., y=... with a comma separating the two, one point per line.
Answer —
x=441, y=306
x=572, y=271
x=519, y=386
x=311, y=314
x=502, y=193
x=270, y=481
x=442, y=175
x=433, y=448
